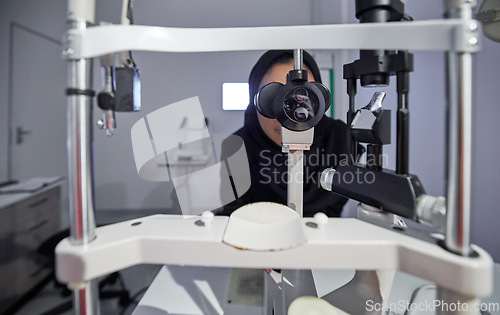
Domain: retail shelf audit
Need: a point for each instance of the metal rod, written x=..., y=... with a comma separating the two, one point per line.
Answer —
x=351, y=143
x=403, y=124
x=459, y=126
x=374, y=156
x=297, y=59
x=80, y=160
x=80, y=155
x=80, y=164
x=86, y=299
x=295, y=181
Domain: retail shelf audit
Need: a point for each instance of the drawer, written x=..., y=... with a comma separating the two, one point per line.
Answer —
x=31, y=212
x=7, y=234
x=24, y=226
x=37, y=219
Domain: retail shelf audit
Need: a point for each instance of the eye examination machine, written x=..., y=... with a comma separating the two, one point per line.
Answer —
x=290, y=255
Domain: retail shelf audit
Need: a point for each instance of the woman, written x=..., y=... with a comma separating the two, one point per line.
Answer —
x=262, y=138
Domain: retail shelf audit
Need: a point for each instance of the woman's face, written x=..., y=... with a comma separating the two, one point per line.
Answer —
x=277, y=73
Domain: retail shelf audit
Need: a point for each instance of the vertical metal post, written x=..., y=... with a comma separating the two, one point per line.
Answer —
x=459, y=123
x=82, y=225
x=374, y=157
x=80, y=155
x=303, y=284
x=297, y=59
x=403, y=124
x=352, y=144
x=459, y=128
x=295, y=156
x=295, y=190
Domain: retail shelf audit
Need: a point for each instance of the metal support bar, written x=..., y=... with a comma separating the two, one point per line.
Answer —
x=294, y=143
x=86, y=298
x=80, y=161
x=295, y=181
x=297, y=59
x=459, y=121
x=374, y=157
x=352, y=144
x=80, y=156
x=403, y=124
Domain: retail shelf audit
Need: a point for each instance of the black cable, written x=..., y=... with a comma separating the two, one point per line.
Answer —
x=416, y=293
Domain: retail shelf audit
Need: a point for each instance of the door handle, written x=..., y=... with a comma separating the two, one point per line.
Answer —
x=20, y=133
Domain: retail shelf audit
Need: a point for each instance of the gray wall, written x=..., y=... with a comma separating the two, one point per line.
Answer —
x=167, y=78
x=46, y=17
x=171, y=77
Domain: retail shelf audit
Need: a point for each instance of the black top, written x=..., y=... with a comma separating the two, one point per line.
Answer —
x=268, y=165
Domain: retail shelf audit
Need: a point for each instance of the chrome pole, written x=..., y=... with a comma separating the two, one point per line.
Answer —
x=297, y=59
x=80, y=155
x=295, y=191
x=295, y=184
x=459, y=147
x=80, y=159
x=459, y=128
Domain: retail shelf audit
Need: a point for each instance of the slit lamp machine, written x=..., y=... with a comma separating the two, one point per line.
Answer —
x=375, y=244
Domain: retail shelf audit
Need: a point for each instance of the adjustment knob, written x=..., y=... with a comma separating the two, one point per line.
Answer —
x=320, y=219
x=327, y=179
x=207, y=217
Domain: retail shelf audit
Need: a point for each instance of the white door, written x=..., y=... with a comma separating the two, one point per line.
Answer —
x=38, y=121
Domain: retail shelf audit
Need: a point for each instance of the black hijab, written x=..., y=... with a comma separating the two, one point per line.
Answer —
x=268, y=168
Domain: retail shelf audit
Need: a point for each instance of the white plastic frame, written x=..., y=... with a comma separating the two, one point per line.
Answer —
x=340, y=244
x=433, y=35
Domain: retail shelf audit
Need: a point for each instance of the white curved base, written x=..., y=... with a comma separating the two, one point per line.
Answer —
x=339, y=244
x=264, y=226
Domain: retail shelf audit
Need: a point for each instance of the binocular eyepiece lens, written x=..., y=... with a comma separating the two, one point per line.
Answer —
x=301, y=94
x=301, y=114
x=300, y=104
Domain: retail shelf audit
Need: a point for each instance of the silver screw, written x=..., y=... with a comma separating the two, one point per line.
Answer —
x=473, y=26
x=400, y=222
x=68, y=51
x=473, y=41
